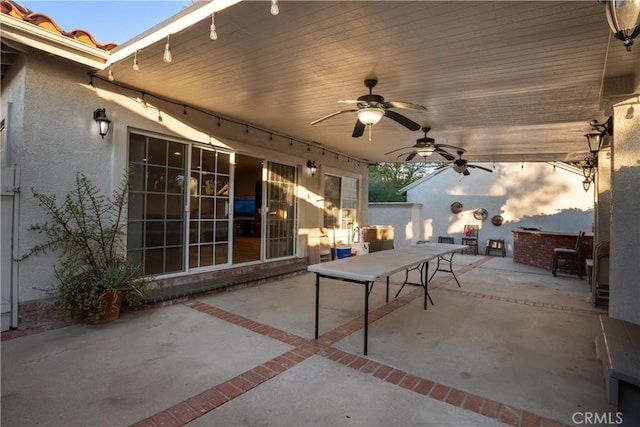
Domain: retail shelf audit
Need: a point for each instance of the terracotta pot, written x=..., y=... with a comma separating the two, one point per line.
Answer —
x=111, y=302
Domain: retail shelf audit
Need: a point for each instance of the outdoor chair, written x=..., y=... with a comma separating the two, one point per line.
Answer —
x=470, y=238
x=600, y=278
x=569, y=254
x=495, y=245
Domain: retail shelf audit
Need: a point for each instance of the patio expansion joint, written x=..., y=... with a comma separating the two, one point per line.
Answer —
x=208, y=400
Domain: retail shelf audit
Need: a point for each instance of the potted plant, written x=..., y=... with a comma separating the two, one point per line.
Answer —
x=87, y=231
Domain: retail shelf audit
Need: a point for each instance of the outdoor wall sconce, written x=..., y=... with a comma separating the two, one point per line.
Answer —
x=587, y=168
x=100, y=116
x=597, y=134
x=586, y=184
x=624, y=20
x=312, y=167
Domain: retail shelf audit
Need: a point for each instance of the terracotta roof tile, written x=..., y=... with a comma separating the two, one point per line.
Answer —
x=11, y=8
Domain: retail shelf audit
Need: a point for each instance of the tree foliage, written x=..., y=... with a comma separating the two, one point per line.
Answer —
x=385, y=179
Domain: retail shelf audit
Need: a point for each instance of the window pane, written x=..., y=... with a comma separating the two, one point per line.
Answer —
x=222, y=185
x=154, y=232
x=206, y=231
x=176, y=155
x=206, y=207
x=222, y=253
x=208, y=161
x=174, y=233
x=155, y=206
x=208, y=184
x=136, y=180
x=223, y=163
x=156, y=179
x=153, y=261
x=175, y=207
x=137, y=148
x=193, y=232
x=222, y=230
x=173, y=260
x=135, y=206
x=193, y=256
x=175, y=181
x=206, y=255
x=331, y=201
x=134, y=234
x=157, y=152
x=222, y=207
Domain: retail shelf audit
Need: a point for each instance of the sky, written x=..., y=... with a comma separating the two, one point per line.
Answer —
x=114, y=21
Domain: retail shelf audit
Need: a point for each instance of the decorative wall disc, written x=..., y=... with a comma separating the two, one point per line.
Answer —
x=456, y=207
x=480, y=214
x=497, y=220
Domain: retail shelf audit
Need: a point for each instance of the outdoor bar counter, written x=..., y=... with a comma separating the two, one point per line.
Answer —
x=535, y=247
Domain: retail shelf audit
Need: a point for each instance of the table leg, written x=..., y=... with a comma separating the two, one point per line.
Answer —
x=425, y=282
x=387, y=288
x=366, y=316
x=317, y=301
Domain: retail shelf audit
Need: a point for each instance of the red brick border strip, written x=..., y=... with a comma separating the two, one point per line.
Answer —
x=202, y=403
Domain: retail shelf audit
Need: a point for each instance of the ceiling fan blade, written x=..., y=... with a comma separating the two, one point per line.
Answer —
x=458, y=149
x=466, y=172
x=397, y=149
x=408, y=105
x=332, y=114
x=411, y=156
x=444, y=154
x=404, y=121
x=358, y=129
x=480, y=167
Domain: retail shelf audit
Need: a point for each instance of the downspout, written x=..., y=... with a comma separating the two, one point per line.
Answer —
x=15, y=255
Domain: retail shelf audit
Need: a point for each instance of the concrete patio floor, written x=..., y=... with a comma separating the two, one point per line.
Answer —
x=513, y=345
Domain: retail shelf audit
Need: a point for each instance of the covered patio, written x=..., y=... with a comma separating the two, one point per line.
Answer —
x=513, y=345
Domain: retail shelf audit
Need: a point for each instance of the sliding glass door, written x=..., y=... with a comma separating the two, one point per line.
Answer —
x=280, y=215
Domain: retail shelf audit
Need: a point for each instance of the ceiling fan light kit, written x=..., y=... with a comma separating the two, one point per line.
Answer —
x=371, y=108
x=370, y=116
x=425, y=147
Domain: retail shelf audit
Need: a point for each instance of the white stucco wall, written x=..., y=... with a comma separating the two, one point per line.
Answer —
x=530, y=195
x=405, y=218
x=54, y=103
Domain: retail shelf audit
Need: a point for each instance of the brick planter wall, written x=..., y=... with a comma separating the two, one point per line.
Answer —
x=535, y=248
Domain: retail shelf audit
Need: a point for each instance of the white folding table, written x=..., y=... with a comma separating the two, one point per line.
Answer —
x=372, y=267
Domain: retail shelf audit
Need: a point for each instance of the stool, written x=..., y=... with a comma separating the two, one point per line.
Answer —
x=495, y=244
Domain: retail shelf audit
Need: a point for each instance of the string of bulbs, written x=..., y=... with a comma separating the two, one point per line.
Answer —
x=220, y=120
x=167, y=57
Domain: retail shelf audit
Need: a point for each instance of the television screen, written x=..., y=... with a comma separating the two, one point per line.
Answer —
x=244, y=206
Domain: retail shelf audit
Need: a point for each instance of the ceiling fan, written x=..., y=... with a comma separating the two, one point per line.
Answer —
x=371, y=108
x=425, y=147
x=462, y=166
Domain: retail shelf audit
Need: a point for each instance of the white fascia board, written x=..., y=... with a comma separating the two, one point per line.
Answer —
x=40, y=38
x=180, y=23
x=421, y=180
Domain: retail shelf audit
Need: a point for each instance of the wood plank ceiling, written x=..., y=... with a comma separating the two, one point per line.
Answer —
x=506, y=80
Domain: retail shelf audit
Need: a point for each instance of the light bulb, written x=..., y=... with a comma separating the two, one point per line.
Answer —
x=136, y=67
x=213, y=35
x=110, y=77
x=166, y=57
x=274, y=7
